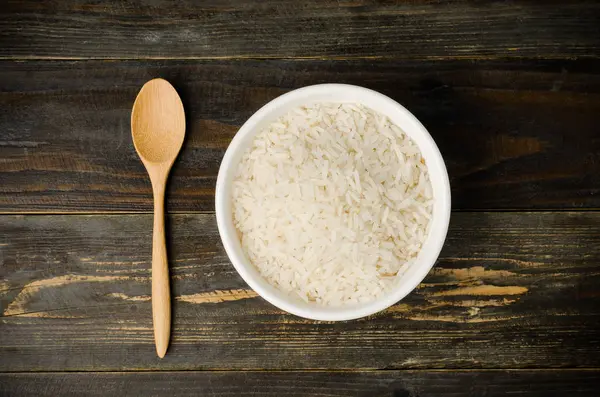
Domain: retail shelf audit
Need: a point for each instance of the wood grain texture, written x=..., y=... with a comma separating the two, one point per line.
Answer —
x=548, y=383
x=514, y=134
x=511, y=290
x=288, y=28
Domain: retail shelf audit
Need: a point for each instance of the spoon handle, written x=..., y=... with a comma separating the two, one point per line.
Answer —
x=161, y=299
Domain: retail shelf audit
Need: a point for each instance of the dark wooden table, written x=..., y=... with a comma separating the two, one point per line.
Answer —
x=510, y=91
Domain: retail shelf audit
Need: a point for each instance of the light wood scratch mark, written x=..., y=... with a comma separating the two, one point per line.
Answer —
x=4, y=286
x=139, y=298
x=47, y=314
x=17, y=306
x=473, y=272
x=483, y=290
x=218, y=296
x=464, y=320
x=472, y=303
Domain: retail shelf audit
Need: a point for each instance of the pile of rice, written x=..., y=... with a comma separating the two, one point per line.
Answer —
x=331, y=203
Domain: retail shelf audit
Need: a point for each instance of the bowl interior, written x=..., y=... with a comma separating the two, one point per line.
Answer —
x=426, y=258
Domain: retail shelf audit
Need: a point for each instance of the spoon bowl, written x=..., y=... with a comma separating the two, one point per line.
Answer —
x=158, y=130
x=158, y=123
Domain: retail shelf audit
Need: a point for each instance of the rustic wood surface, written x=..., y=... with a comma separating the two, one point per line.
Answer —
x=548, y=383
x=514, y=134
x=511, y=290
x=510, y=91
x=289, y=28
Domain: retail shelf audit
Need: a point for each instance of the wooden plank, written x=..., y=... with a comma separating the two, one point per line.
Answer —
x=514, y=134
x=545, y=383
x=511, y=290
x=311, y=28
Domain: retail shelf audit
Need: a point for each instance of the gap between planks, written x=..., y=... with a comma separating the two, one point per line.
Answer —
x=461, y=211
x=304, y=370
x=305, y=58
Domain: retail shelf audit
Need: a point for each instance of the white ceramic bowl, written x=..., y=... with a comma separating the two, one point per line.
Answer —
x=399, y=116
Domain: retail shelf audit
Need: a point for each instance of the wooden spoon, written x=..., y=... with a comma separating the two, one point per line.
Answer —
x=158, y=129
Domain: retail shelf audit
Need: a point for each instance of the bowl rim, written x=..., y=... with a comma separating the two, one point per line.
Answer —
x=425, y=260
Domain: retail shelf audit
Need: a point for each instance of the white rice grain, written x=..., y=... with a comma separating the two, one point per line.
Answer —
x=332, y=203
